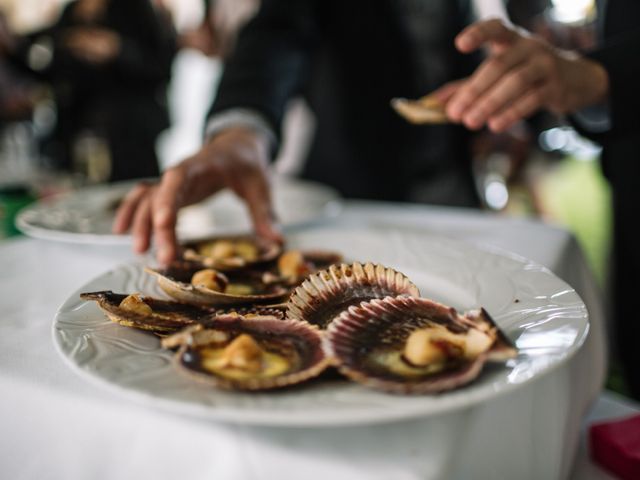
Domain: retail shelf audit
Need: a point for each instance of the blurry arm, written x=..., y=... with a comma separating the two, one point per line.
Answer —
x=270, y=61
x=266, y=69
x=521, y=75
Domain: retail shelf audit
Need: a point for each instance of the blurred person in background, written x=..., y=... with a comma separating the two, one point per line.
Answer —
x=523, y=74
x=108, y=63
x=348, y=59
x=216, y=34
x=17, y=93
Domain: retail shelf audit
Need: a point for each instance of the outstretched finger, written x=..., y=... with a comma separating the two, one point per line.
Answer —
x=257, y=195
x=479, y=33
x=483, y=79
x=166, y=202
x=448, y=90
x=128, y=207
x=504, y=92
x=520, y=109
x=141, y=227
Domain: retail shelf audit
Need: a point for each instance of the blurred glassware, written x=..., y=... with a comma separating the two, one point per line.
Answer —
x=91, y=157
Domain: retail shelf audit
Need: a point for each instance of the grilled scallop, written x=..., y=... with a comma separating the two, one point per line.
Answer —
x=231, y=253
x=162, y=316
x=148, y=313
x=325, y=294
x=414, y=345
x=189, y=282
x=239, y=353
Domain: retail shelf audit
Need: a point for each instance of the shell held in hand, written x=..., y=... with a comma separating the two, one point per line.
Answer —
x=325, y=294
x=411, y=345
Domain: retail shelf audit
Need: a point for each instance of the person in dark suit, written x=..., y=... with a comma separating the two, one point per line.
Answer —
x=109, y=66
x=348, y=59
x=524, y=74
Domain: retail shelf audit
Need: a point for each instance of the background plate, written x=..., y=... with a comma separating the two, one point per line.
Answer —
x=86, y=215
x=541, y=313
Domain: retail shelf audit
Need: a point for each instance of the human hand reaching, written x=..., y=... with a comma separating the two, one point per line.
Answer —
x=236, y=158
x=521, y=74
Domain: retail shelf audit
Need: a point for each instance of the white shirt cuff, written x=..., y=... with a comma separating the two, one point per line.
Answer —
x=240, y=117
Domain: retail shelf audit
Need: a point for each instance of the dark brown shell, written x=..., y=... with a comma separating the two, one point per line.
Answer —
x=175, y=281
x=299, y=342
x=267, y=252
x=169, y=316
x=325, y=294
x=383, y=325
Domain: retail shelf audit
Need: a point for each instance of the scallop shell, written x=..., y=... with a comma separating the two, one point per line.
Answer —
x=175, y=281
x=325, y=294
x=170, y=316
x=299, y=342
x=378, y=329
x=314, y=261
x=267, y=252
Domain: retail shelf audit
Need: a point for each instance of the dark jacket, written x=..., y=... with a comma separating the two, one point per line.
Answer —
x=348, y=59
x=123, y=100
x=621, y=165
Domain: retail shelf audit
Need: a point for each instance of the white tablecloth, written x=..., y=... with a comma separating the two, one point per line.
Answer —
x=54, y=425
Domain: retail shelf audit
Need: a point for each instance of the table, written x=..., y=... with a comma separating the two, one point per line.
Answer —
x=54, y=425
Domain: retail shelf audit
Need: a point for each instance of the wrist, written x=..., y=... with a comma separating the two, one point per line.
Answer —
x=588, y=85
x=599, y=82
x=240, y=138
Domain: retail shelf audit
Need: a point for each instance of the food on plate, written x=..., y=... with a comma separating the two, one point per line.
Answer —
x=292, y=265
x=414, y=345
x=134, y=303
x=231, y=253
x=325, y=294
x=147, y=313
x=164, y=316
x=368, y=320
x=239, y=287
x=260, y=353
x=210, y=279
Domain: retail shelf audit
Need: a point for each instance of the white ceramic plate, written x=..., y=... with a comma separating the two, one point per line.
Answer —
x=541, y=313
x=86, y=215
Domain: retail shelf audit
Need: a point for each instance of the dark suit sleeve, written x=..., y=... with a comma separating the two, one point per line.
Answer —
x=619, y=56
x=271, y=59
x=147, y=42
